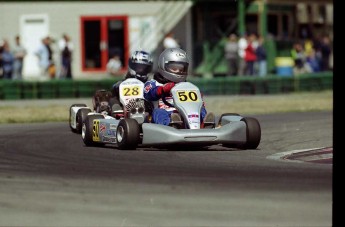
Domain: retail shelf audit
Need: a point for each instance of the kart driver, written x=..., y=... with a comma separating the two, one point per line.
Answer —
x=139, y=66
x=172, y=68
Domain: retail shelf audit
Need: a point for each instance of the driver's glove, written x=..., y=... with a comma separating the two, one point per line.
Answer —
x=165, y=89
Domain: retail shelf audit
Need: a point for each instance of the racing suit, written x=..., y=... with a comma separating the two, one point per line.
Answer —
x=161, y=112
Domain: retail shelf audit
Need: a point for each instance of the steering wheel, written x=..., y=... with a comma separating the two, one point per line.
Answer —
x=166, y=102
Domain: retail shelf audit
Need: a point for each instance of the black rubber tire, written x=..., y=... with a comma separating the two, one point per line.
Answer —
x=87, y=130
x=253, y=133
x=128, y=134
x=70, y=112
x=80, y=117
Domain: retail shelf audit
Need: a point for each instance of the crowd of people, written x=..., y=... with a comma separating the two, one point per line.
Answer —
x=247, y=55
x=12, y=58
x=312, y=56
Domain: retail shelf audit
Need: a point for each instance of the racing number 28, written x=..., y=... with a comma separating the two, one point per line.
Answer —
x=187, y=96
x=131, y=91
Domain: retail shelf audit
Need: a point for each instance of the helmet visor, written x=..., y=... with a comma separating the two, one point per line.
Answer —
x=141, y=69
x=179, y=68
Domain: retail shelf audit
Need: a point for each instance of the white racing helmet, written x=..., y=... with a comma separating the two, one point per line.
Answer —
x=173, y=66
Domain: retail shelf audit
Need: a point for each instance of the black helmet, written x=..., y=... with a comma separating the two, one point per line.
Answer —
x=139, y=65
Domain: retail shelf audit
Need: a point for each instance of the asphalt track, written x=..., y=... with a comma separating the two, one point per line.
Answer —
x=49, y=178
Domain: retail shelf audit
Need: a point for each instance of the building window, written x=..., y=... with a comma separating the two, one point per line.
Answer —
x=102, y=37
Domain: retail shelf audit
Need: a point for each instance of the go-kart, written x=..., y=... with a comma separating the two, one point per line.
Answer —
x=78, y=112
x=232, y=130
x=98, y=129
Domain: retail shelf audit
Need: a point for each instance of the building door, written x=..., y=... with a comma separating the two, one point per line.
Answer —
x=102, y=37
x=32, y=29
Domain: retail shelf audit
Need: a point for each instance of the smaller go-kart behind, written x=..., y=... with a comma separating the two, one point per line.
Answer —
x=78, y=112
x=232, y=130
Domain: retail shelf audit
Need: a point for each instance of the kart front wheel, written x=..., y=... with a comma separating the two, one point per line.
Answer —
x=253, y=133
x=128, y=134
x=88, y=132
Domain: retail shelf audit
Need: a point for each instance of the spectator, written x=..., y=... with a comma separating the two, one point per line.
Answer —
x=250, y=55
x=231, y=54
x=317, y=48
x=313, y=62
x=1, y=63
x=308, y=47
x=66, y=48
x=45, y=56
x=242, y=45
x=261, y=57
x=7, y=60
x=19, y=53
x=298, y=55
x=114, y=65
x=326, y=50
x=170, y=41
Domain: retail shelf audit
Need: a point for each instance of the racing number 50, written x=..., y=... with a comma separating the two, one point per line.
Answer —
x=187, y=96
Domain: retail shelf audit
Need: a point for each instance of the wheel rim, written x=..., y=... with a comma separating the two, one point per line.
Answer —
x=119, y=134
x=83, y=130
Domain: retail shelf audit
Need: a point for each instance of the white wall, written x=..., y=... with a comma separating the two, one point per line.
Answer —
x=64, y=17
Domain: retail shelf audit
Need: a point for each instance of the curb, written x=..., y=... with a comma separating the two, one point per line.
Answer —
x=322, y=155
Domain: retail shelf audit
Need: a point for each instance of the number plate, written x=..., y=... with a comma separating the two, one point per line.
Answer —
x=187, y=96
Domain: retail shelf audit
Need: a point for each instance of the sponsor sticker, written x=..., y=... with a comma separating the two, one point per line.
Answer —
x=112, y=127
x=148, y=88
x=193, y=118
x=102, y=128
x=111, y=133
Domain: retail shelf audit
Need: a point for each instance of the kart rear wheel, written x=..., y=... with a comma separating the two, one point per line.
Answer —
x=128, y=134
x=81, y=115
x=253, y=133
x=87, y=130
x=70, y=113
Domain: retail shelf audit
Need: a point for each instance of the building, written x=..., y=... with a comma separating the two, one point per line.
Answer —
x=97, y=28
x=285, y=21
x=100, y=28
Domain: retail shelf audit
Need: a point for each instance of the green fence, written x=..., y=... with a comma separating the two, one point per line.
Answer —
x=273, y=84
